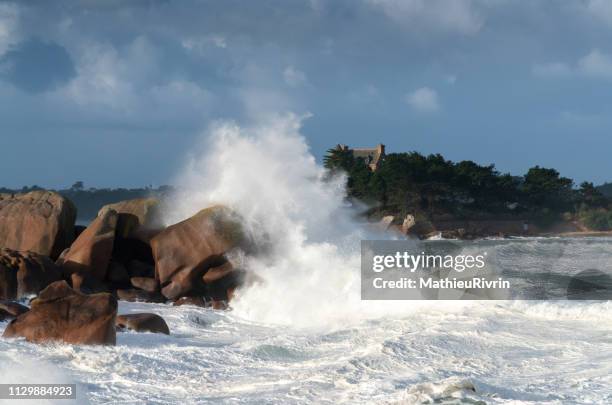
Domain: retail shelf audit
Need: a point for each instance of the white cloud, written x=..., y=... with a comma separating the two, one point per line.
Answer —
x=596, y=64
x=204, y=43
x=99, y=78
x=552, y=70
x=450, y=79
x=423, y=100
x=294, y=77
x=127, y=83
x=9, y=16
x=436, y=15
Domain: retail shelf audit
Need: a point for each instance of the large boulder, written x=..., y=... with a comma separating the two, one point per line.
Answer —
x=218, y=272
x=221, y=281
x=137, y=222
x=23, y=273
x=145, y=283
x=12, y=308
x=143, y=323
x=135, y=216
x=185, y=251
x=38, y=221
x=61, y=314
x=92, y=250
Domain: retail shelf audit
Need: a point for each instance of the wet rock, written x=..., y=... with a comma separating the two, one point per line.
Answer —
x=185, y=251
x=145, y=283
x=143, y=322
x=24, y=273
x=218, y=272
x=193, y=301
x=223, y=287
x=13, y=309
x=219, y=304
x=62, y=314
x=230, y=292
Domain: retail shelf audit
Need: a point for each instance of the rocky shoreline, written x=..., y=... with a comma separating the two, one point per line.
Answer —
x=77, y=274
x=479, y=228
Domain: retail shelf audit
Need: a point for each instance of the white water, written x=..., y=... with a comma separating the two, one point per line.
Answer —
x=267, y=174
x=305, y=336
x=532, y=353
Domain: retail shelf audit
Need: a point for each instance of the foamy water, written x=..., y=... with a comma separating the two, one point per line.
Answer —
x=535, y=353
x=305, y=335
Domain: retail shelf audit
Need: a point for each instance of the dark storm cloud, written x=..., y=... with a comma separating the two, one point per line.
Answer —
x=513, y=83
x=36, y=66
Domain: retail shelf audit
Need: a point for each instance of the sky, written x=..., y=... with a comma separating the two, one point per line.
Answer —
x=116, y=93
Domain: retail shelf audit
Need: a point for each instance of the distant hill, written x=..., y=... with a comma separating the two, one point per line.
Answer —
x=605, y=189
x=89, y=201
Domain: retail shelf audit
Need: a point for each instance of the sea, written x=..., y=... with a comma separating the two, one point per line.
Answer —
x=305, y=335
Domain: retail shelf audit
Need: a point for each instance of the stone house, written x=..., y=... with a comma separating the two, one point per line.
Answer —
x=373, y=157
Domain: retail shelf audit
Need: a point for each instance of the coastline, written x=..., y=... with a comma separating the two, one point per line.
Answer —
x=455, y=235
x=578, y=234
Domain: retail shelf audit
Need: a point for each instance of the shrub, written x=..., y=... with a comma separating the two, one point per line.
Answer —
x=597, y=219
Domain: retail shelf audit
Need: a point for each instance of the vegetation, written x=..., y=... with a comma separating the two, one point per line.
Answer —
x=430, y=186
x=605, y=189
x=597, y=219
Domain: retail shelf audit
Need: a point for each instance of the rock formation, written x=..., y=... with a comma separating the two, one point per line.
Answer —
x=184, y=252
x=91, y=252
x=23, y=273
x=193, y=301
x=145, y=283
x=62, y=314
x=38, y=221
x=143, y=323
x=11, y=310
x=135, y=216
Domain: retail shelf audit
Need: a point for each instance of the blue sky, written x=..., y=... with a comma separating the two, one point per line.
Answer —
x=115, y=93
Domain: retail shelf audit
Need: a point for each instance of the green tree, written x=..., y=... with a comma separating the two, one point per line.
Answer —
x=545, y=188
x=338, y=159
x=77, y=186
x=591, y=197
